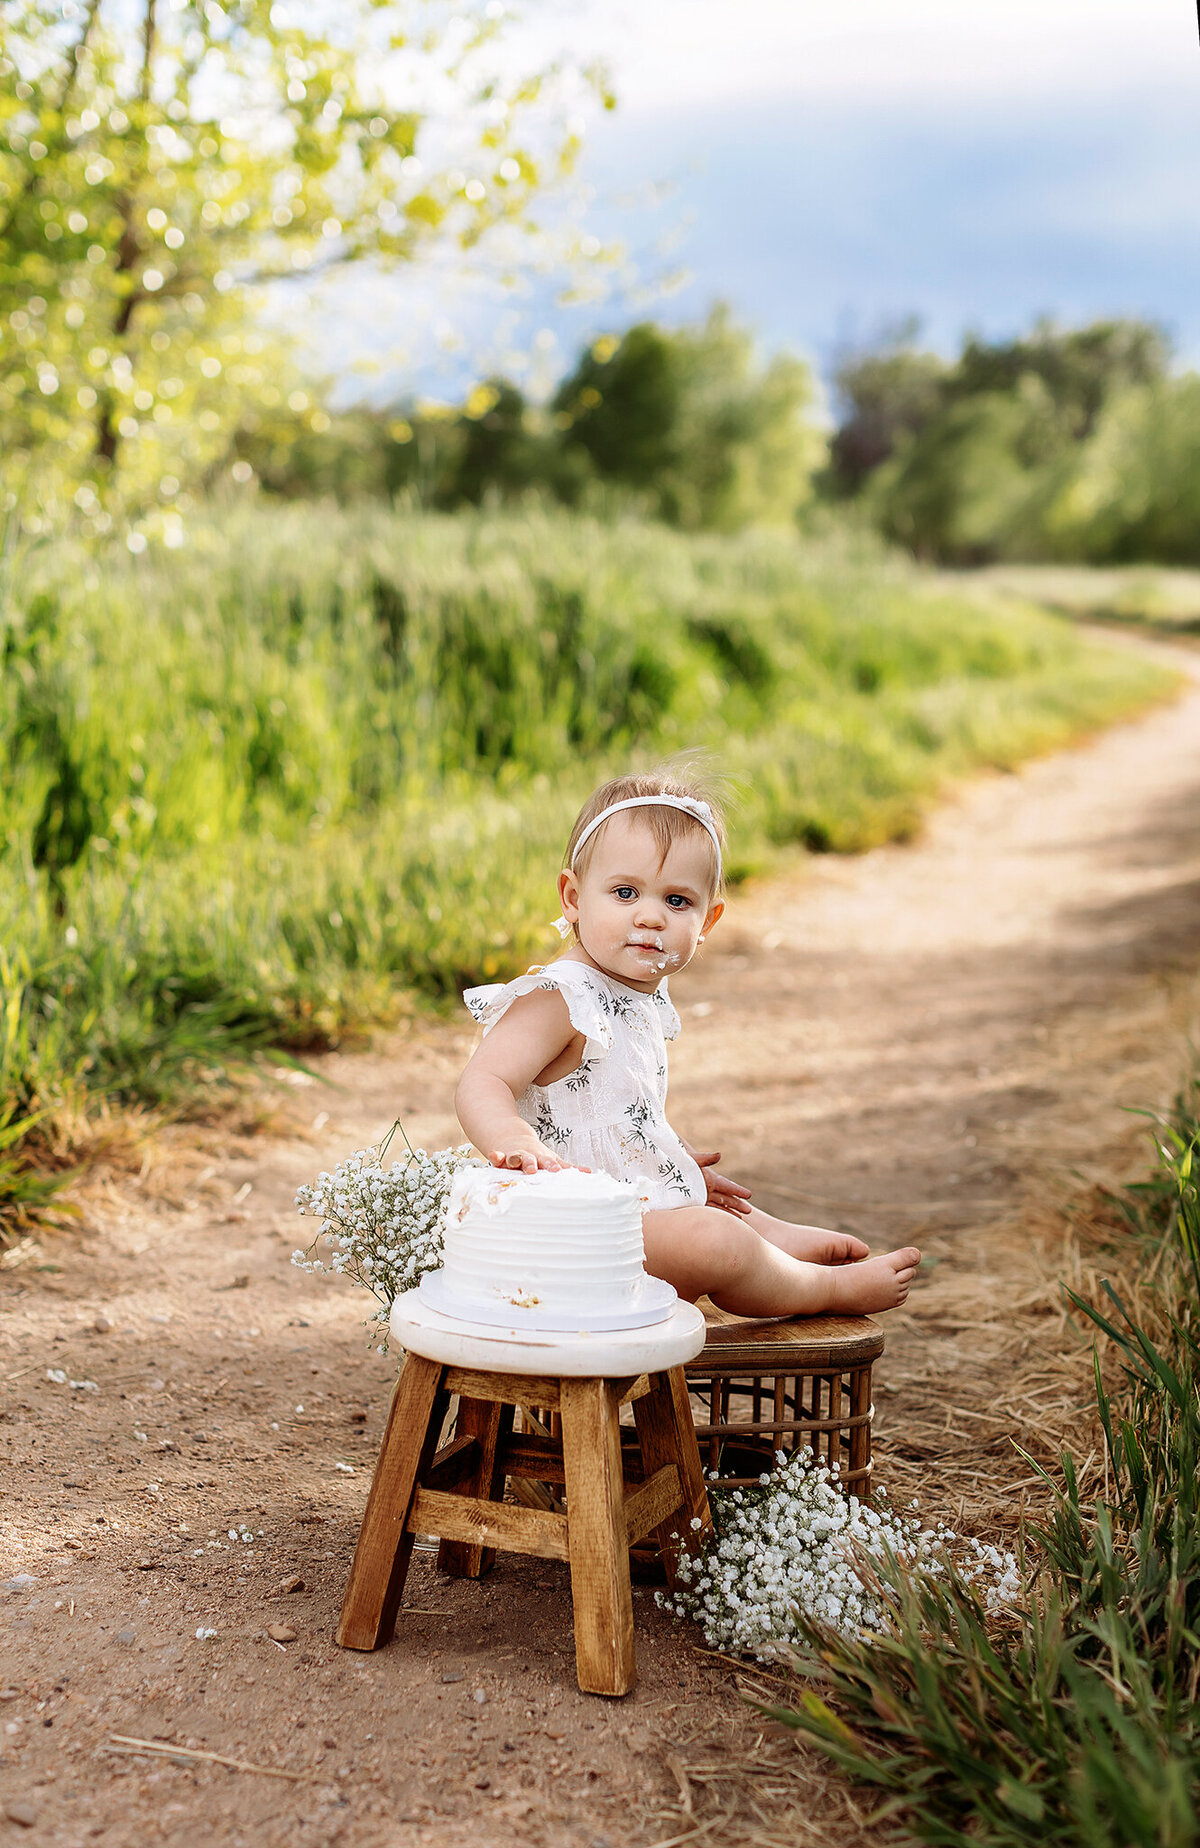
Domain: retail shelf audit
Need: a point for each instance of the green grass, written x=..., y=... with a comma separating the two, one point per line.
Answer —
x=257, y=788
x=1075, y=1721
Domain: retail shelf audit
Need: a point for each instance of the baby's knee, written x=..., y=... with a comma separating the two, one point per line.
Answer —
x=699, y=1249
x=724, y=1242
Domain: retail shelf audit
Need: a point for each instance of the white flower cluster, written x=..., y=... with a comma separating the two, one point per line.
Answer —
x=793, y=1545
x=994, y=1574
x=382, y=1227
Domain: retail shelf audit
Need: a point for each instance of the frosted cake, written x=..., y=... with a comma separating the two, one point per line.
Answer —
x=552, y=1250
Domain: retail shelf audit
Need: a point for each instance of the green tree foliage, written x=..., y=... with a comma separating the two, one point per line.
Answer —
x=161, y=160
x=1002, y=453
x=887, y=393
x=689, y=421
x=1081, y=369
x=682, y=423
x=489, y=447
x=959, y=488
x=497, y=447
x=1135, y=492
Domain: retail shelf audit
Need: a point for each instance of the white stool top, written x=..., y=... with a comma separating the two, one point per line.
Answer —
x=423, y=1330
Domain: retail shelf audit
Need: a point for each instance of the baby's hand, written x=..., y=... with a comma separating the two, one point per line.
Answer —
x=528, y=1162
x=729, y=1195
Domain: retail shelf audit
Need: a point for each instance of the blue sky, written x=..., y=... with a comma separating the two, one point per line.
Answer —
x=829, y=167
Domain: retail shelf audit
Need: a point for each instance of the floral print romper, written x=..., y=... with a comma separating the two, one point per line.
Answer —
x=609, y=1114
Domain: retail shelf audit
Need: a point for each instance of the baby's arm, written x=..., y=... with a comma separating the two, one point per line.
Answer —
x=532, y=1041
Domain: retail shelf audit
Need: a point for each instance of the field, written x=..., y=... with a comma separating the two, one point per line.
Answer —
x=932, y=1044
x=311, y=764
x=1151, y=596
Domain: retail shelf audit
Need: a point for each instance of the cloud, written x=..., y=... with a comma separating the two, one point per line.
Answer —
x=836, y=217
x=832, y=164
x=669, y=53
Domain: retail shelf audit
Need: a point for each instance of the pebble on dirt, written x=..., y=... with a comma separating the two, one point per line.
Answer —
x=281, y=1633
x=23, y=1814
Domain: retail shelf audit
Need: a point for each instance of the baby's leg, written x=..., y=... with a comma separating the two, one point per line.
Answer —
x=706, y=1252
x=814, y=1243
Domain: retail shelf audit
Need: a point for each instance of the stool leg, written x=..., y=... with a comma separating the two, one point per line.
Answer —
x=835, y=1412
x=860, y=1434
x=380, y=1566
x=490, y=1423
x=667, y=1433
x=599, y=1550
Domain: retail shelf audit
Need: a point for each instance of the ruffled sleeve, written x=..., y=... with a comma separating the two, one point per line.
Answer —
x=668, y=1018
x=589, y=1007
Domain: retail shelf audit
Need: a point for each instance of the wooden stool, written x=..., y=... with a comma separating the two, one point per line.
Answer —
x=455, y=1492
x=810, y=1376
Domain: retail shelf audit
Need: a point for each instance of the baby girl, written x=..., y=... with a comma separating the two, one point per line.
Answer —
x=572, y=1070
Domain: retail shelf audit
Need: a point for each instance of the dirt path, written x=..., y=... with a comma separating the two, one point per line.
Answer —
x=929, y=1043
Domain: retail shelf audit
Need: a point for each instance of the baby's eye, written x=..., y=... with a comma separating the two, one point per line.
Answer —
x=625, y=891
x=678, y=902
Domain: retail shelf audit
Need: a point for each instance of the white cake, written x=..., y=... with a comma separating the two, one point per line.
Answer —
x=553, y=1250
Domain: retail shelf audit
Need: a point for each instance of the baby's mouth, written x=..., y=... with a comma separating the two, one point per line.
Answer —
x=650, y=950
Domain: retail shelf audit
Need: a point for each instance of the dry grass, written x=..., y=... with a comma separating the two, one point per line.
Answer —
x=752, y=1784
x=998, y=1383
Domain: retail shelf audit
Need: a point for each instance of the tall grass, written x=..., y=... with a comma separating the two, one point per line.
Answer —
x=256, y=787
x=1077, y=1720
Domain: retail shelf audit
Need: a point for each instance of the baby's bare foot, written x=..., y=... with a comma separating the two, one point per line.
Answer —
x=816, y=1246
x=843, y=1248
x=874, y=1283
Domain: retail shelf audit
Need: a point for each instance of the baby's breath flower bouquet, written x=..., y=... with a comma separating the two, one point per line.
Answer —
x=792, y=1546
x=382, y=1227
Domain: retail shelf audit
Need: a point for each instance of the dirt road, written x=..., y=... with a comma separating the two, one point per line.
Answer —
x=931, y=1043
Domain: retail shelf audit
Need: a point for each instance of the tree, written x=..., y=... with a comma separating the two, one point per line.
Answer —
x=986, y=457
x=160, y=161
x=890, y=392
x=689, y=420
x=960, y=490
x=1082, y=369
x=885, y=394
x=1134, y=494
x=500, y=453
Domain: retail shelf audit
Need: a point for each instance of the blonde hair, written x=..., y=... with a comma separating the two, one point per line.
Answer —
x=665, y=824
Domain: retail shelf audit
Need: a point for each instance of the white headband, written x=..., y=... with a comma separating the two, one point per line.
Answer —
x=687, y=805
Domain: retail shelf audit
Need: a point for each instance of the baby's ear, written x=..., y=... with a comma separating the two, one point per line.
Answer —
x=715, y=913
x=568, y=894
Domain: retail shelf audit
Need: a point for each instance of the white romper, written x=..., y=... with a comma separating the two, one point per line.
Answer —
x=609, y=1114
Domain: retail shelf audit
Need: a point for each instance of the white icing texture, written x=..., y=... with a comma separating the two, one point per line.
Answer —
x=552, y=1249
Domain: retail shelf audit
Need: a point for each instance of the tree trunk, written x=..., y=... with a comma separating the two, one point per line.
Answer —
x=128, y=252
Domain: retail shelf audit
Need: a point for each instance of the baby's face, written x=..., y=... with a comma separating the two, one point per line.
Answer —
x=637, y=920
